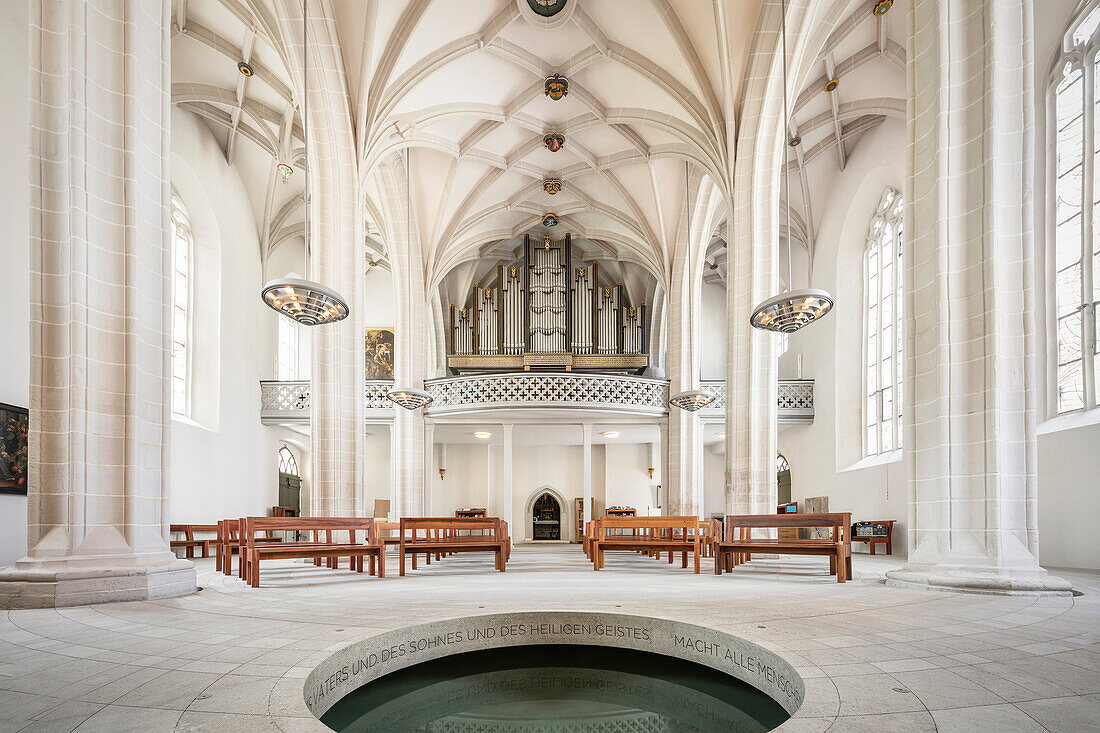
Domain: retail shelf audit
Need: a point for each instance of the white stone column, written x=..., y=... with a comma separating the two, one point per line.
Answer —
x=100, y=309
x=699, y=214
x=430, y=468
x=586, y=470
x=411, y=333
x=663, y=509
x=337, y=231
x=969, y=359
x=506, y=476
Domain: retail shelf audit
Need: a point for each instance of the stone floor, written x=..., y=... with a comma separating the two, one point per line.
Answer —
x=874, y=658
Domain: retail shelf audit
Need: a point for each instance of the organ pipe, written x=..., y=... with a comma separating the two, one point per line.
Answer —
x=545, y=302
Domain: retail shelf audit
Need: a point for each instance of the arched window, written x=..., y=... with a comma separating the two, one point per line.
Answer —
x=882, y=327
x=288, y=349
x=781, y=464
x=182, y=259
x=287, y=462
x=1073, y=210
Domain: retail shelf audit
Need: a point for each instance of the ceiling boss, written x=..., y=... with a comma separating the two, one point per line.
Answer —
x=551, y=185
x=554, y=141
x=557, y=86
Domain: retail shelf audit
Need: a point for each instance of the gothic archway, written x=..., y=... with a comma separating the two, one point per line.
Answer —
x=546, y=518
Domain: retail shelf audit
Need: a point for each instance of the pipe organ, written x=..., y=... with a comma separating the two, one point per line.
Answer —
x=547, y=311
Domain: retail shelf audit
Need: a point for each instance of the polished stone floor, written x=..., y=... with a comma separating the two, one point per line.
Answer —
x=874, y=658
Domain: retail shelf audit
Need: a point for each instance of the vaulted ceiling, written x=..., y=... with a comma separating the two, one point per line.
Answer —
x=458, y=87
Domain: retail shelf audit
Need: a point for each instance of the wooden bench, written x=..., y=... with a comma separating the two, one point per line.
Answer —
x=441, y=536
x=329, y=548
x=878, y=539
x=230, y=542
x=649, y=535
x=190, y=542
x=738, y=544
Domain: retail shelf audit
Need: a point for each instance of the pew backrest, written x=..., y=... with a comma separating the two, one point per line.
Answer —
x=739, y=526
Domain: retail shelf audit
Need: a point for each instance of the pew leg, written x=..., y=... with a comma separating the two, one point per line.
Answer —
x=832, y=565
x=254, y=573
x=413, y=560
x=696, y=562
x=684, y=559
x=848, y=567
x=872, y=546
x=889, y=548
x=382, y=561
x=401, y=558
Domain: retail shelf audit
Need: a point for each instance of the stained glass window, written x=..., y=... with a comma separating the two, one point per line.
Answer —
x=883, y=276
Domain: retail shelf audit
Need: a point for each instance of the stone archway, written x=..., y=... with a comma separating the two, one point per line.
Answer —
x=565, y=531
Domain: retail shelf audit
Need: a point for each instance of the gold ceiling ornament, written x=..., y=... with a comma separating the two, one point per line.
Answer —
x=882, y=7
x=512, y=271
x=556, y=86
x=651, y=470
x=551, y=185
x=441, y=472
x=546, y=242
x=792, y=309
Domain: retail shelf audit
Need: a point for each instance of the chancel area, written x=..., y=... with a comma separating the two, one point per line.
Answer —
x=549, y=365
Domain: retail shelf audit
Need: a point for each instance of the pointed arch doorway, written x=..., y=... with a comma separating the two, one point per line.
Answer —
x=544, y=515
x=546, y=518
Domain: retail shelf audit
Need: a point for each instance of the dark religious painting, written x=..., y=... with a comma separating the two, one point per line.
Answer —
x=13, y=449
x=547, y=8
x=379, y=344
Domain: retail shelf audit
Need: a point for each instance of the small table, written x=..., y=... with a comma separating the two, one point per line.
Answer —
x=880, y=539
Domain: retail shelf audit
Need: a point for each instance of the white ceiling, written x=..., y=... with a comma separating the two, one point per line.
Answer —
x=654, y=89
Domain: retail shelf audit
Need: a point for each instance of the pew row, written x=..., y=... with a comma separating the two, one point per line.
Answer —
x=359, y=540
x=738, y=543
x=648, y=535
x=442, y=536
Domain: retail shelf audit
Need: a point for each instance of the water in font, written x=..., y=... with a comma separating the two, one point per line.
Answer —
x=556, y=688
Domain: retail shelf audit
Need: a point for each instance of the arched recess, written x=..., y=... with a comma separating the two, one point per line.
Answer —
x=566, y=513
x=206, y=288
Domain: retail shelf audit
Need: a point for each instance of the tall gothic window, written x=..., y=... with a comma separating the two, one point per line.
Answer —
x=287, y=462
x=288, y=348
x=1074, y=208
x=882, y=327
x=182, y=256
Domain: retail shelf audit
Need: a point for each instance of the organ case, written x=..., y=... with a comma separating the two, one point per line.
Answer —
x=547, y=311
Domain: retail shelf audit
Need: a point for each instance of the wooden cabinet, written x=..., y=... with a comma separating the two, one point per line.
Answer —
x=578, y=517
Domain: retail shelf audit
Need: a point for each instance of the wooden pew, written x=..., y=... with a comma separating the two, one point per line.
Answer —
x=649, y=535
x=189, y=543
x=230, y=542
x=441, y=536
x=323, y=547
x=738, y=544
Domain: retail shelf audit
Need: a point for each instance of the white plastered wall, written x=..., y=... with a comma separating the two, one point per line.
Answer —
x=1067, y=458
x=825, y=457
x=14, y=250
x=225, y=465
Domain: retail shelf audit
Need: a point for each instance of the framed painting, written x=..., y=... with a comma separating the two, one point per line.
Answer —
x=14, y=424
x=379, y=347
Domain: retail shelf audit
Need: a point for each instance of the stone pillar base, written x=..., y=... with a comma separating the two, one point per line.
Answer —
x=76, y=581
x=977, y=579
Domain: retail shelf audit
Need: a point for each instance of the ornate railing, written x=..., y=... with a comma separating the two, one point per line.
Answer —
x=289, y=401
x=796, y=400
x=282, y=402
x=526, y=389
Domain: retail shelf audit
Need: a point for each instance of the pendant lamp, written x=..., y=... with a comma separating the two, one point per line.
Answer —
x=301, y=299
x=792, y=309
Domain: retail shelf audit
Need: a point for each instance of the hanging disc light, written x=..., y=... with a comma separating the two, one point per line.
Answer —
x=410, y=399
x=791, y=310
x=301, y=299
x=691, y=400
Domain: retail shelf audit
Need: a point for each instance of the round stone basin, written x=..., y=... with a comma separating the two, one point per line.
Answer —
x=554, y=671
